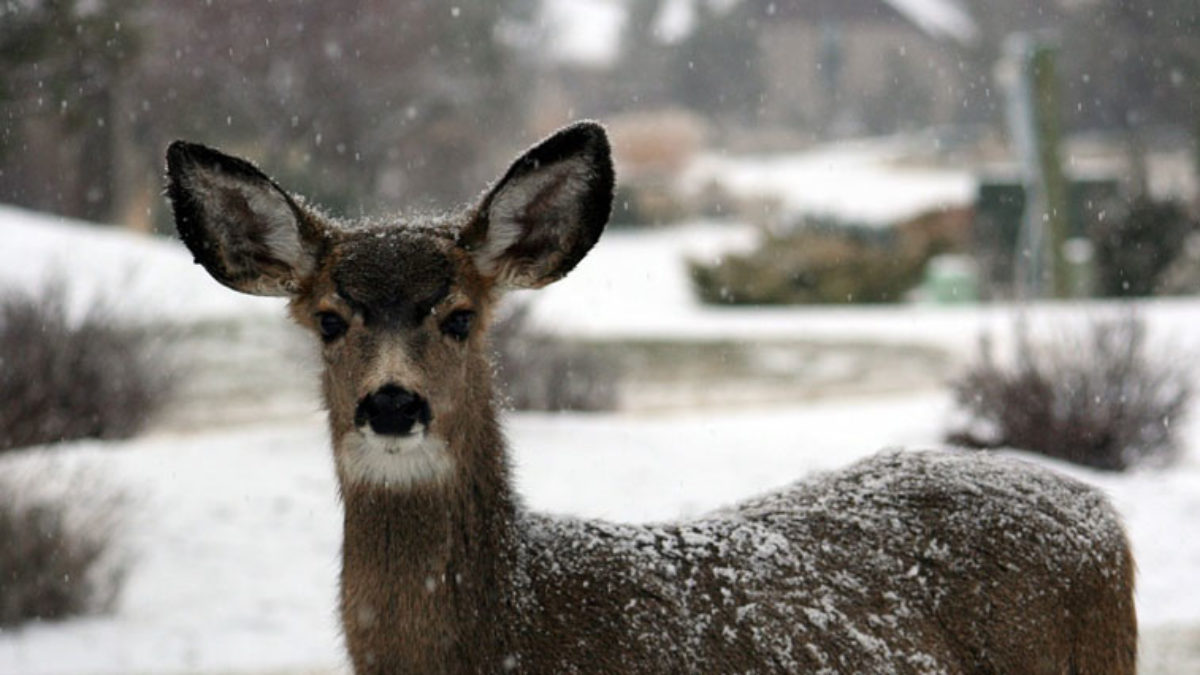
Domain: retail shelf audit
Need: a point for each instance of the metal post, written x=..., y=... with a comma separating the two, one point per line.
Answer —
x=1028, y=75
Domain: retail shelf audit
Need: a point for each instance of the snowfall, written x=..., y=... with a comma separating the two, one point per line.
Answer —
x=233, y=532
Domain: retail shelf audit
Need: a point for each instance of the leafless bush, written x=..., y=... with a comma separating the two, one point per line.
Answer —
x=60, y=555
x=62, y=379
x=1095, y=399
x=541, y=372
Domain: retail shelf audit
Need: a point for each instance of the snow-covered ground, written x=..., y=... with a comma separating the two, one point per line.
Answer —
x=589, y=31
x=234, y=531
x=864, y=183
x=146, y=278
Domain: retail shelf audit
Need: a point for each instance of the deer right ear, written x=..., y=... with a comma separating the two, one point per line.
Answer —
x=545, y=214
x=242, y=227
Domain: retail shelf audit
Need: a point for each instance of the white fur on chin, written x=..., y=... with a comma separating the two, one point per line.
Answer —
x=366, y=457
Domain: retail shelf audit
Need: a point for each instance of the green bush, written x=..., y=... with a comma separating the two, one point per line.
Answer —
x=811, y=266
x=1096, y=399
x=1135, y=250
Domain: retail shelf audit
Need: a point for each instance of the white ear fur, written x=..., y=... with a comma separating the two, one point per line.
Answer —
x=238, y=223
x=547, y=211
x=280, y=231
x=552, y=193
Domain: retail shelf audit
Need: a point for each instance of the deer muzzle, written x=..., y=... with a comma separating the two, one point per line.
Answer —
x=392, y=410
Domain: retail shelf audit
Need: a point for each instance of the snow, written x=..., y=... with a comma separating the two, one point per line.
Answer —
x=675, y=20
x=234, y=539
x=862, y=185
x=944, y=19
x=589, y=31
x=235, y=531
x=144, y=277
x=585, y=32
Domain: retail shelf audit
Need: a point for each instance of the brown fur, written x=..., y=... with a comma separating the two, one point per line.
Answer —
x=904, y=562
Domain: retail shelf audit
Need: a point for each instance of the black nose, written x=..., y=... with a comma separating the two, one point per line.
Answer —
x=392, y=411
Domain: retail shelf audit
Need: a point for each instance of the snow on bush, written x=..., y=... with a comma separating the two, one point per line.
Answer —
x=811, y=266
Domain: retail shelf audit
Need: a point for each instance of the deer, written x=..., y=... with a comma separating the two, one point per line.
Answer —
x=922, y=561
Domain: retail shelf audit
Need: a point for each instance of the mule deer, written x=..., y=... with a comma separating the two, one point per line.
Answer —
x=905, y=562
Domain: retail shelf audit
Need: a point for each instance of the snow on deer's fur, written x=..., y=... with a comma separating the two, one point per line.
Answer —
x=905, y=562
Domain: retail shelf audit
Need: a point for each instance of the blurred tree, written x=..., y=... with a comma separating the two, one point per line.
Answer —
x=717, y=69
x=1126, y=64
x=1146, y=66
x=1131, y=65
x=64, y=68
x=361, y=103
x=982, y=99
x=642, y=59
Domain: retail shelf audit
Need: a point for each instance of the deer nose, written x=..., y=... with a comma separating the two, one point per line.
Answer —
x=392, y=411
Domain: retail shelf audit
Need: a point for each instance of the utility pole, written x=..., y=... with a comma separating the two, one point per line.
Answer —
x=1029, y=74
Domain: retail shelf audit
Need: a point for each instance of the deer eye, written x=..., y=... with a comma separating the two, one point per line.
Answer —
x=331, y=326
x=458, y=324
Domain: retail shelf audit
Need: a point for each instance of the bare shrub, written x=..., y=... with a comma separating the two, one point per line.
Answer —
x=1095, y=399
x=60, y=556
x=542, y=372
x=62, y=379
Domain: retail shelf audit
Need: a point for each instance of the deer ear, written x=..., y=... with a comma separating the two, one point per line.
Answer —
x=545, y=214
x=241, y=226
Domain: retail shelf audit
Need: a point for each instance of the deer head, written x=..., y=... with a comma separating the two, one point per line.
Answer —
x=400, y=306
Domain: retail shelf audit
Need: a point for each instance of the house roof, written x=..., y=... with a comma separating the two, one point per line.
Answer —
x=940, y=19
x=588, y=31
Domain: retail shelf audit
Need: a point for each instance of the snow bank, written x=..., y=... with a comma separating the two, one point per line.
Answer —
x=862, y=184
x=944, y=19
x=589, y=31
x=140, y=276
x=583, y=32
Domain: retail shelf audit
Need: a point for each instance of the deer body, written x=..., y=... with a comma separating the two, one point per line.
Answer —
x=904, y=562
x=907, y=562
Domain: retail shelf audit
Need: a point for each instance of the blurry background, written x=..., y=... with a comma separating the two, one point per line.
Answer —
x=839, y=225
x=368, y=106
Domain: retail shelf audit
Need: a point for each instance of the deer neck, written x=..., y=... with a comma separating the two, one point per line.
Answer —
x=427, y=566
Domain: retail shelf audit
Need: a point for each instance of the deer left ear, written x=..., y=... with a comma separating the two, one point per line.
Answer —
x=547, y=212
x=247, y=232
